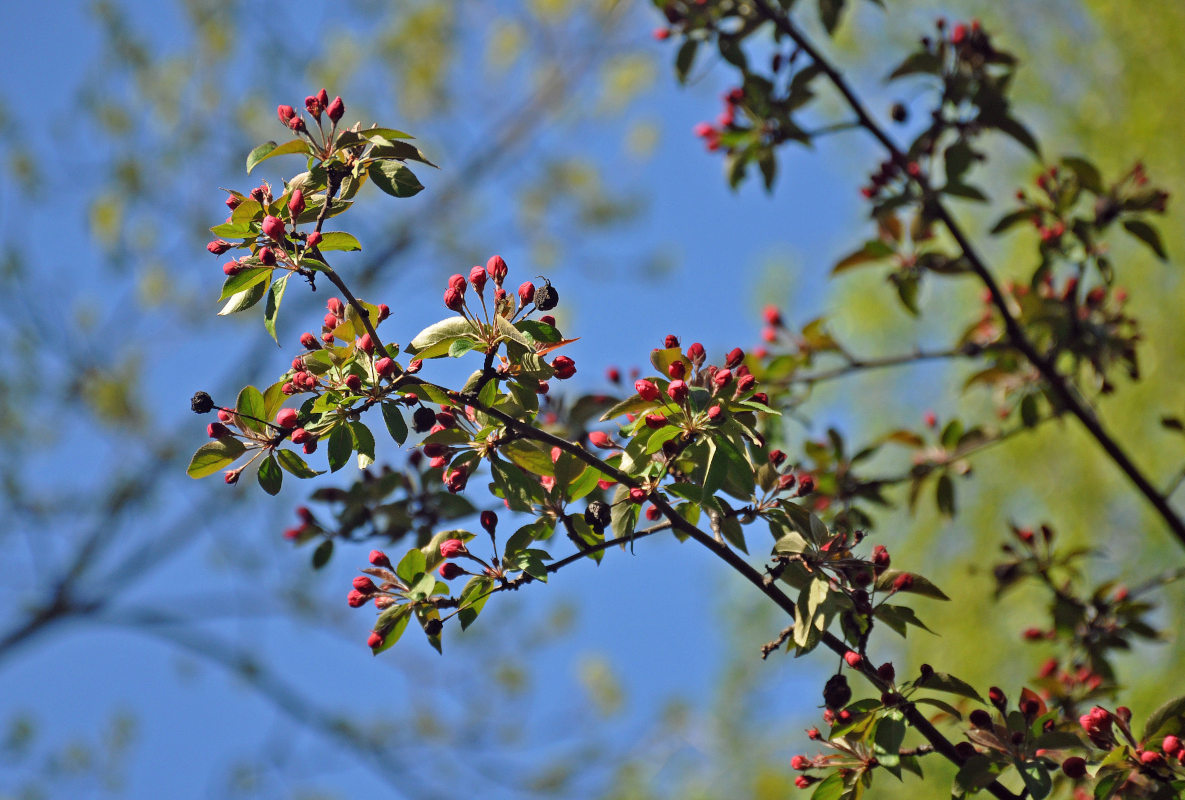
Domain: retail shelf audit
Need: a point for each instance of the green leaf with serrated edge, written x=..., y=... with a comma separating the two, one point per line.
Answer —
x=396, y=424
x=830, y=788
x=250, y=404
x=242, y=280
x=1146, y=234
x=296, y=465
x=921, y=585
x=363, y=443
x=461, y=346
x=243, y=300
x=1036, y=779
x=941, y=704
x=413, y=564
x=341, y=445
x=944, y=682
x=322, y=554
x=391, y=624
x=394, y=179
x=338, y=240
x=271, y=309
x=473, y=599
x=433, y=341
x=539, y=331
x=214, y=455
x=263, y=152
x=532, y=457
x=1171, y=710
x=890, y=733
x=270, y=476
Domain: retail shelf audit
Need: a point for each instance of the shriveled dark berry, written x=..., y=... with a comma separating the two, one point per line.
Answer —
x=546, y=297
x=837, y=693
x=898, y=112
x=597, y=514
x=423, y=419
x=433, y=627
x=201, y=403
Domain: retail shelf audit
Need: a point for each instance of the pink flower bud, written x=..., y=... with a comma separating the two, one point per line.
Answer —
x=800, y=762
x=613, y=375
x=676, y=370
x=478, y=277
x=880, y=557
x=309, y=341
x=273, y=228
x=526, y=293
x=735, y=357
x=374, y=641
x=646, y=390
x=365, y=343
x=670, y=341
x=218, y=247
x=451, y=548
x=637, y=496
x=323, y=98
x=296, y=204
x=313, y=239
x=300, y=436
x=746, y=383
x=600, y=439
x=384, y=366
x=677, y=391
x=356, y=599
x=231, y=267
x=655, y=421
x=266, y=256
x=285, y=113
x=497, y=269
x=722, y=378
x=286, y=418
x=216, y=430
x=313, y=106
x=336, y=109
x=384, y=311
x=853, y=659
x=773, y=316
x=457, y=282
x=364, y=584
x=354, y=383
x=715, y=413
x=379, y=559
x=453, y=299
x=233, y=202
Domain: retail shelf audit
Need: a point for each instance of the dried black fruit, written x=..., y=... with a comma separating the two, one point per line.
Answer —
x=201, y=403
x=597, y=514
x=423, y=419
x=433, y=627
x=837, y=693
x=546, y=297
x=899, y=113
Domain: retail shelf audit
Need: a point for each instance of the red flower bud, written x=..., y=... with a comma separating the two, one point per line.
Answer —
x=646, y=389
x=564, y=367
x=678, y=391
x=806, y=484
x=313, y=105
x=374, y=640
x=637, y=496
x=364, y=584
x=600, y=439
x=746, y=383
x=451, y=548
x=233, y=202
x=800, y=763
x=365, y=343
x=886, y=672
x=489, y=521
x=273, y=228
x=670, y=341
x=453, y=299
x=735, y=357
x=218, y=247
x=336, y=109
x=777, y=457
x=661, y=34
x=300, y=436
x=903, y=582
x=478, y=277
x=722, y=378
x=448, y=570
x=496, y=268
x=379, y=559
x=715, y=413
x=384, y=311
x=313, y=239
x=457, y=282
x=677, y=369
x=1074, y=767
x=526, y=293
x=853, y=659
x=296, y=204
x=266, y=256
x=880, y=557
x=231, y=267
x=322, y=98
x=286, y=418
x=356, y=599
x=1150, y=757
x=613, y=375
x=285, y=113
x=354, y=383
x=655, y=421
x=216, y=430
x=384, y=366
x=773, y=316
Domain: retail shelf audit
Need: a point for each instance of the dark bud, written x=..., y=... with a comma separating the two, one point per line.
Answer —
x=423, y=419
x=898, y=112
x=981, y=719
x=433, y=627
x=201, y=403
x=837, y=693
x=965, y=750
x=546, y=297
x=597, y=514
x=999, y=700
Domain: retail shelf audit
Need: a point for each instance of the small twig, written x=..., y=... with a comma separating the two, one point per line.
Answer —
x=773, y=645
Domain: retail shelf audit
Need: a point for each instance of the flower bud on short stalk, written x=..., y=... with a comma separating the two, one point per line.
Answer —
x=266, y=256
x=489, y=521
x=449, y=570
x=655, y=421
x=313, y=239
x=678, y=391
x=646, y=390
x=564, y=367
x=379, y=559
x=385, y=367
x=286, y=418
x=356, y=599
x=601, y=440
x=300, y=436
x=496, y=268
x=218, y=247
x=453, y=299
x=451, y=548
x=696, y=353
x=336, y=109
x=526, y=294
x=216, y=430
x=735, y=357
x=722, y=378
x=374, y=641
x=286, y=114
x=273, y=228
x=231, y=267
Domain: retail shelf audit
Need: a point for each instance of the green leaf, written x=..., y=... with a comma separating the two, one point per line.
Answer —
x=1011, y=127
x=394, y=178
x=873, y=250
x=977, y=772
x=250, y=404
x=473, y=599
x=1087, y=173
x=296, y=465
x=964, y=191
x=270, y=476
x=412, y=565
x=1009, y=220
x=945, y=495
x=890, y=733
x=532, y=457
x=944, y=682
x=270, y=150
x=461, y=346
x=919, y=62
x=341, y=444
x=243, y=300
x=391, y=624
x=322, y=554
x=1037, y=780
x=396, y=425
x=1171, y=710
x=1146, y=234
x=434, y=341
x=941, y=704
x=272, y=308
x=242, y=280
x=685, y=59
x=830, y=12
x=830, y=788
x=363, y=443
x=539, y=331
x=214, y=455
x=921, y=585
x=338, y=240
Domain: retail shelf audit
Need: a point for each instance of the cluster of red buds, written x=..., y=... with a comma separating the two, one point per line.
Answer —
x=724, y=122
x=886, y=174
x=307, y=525
x=316, y=105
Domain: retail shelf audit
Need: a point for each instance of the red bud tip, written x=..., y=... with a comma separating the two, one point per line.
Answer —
x=678, y=391
x=722, y=378
x=451, y=548
x=379, y=559
x=526, y=294
x=735, y=357
x=564, y=367
x=677, y=369
x=800, y=763
x=285, y=113
x=637, y=496
x=314, y=239
x=655, y=421
x=600, y=439
x=384, y=311
x=853, y=659
x=231, y=267
x=296, y=204
x=365, y=343
x=286, y=418
x=216, y=430
x=448, y=570
x=453, y=299
x=374, y=640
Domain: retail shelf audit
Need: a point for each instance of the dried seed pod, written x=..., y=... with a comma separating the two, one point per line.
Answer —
x=546, y=297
